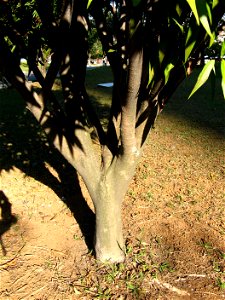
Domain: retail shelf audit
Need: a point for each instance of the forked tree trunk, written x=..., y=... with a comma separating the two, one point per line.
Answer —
x=107, y=198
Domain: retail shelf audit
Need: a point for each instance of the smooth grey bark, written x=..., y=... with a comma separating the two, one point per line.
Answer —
x=109, y=242
x=108, y=197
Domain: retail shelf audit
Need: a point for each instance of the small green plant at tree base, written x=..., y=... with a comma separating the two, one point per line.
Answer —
x=218, y=267
x=220, y=283
x=165, y=266
x=207, y=246
x=105, y=280
x=133, y=288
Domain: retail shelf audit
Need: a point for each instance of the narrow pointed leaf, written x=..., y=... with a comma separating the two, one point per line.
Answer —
x=192, y=4
x=209, y=13
x=223, y=76
x=179, y=25
x=205, y=15
x=215, y=3
x=89, y=3
x=222, y=52
x=161, y=55
x=205, y=23
x=151, y=74
x=203, y=76
x=167, y=70
x=111, y=50
x=178, y=9
x=190, y=43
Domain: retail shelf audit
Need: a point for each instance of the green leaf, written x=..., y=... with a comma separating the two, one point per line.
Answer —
x=222, y=51
x=215, y=3
x=203, y=76
x=209, y=12
x=192, y=4
x=89, y=3
x=167, y=70
x=205, y=24
x=161, y=55
x=151, y=74
x=179, y=25
x=111, y=50
x=190, y=43
x=204, y=16
x=178, y=9
x=222, y=65
x=212, y=39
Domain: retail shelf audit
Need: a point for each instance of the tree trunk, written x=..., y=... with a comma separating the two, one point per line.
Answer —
x=109, y=243
x=107, y=197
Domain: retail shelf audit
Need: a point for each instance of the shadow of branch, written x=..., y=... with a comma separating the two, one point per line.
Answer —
x=23, y=145
x=7, y=218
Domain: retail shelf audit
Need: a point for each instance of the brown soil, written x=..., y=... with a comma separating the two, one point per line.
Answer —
x=174, y=211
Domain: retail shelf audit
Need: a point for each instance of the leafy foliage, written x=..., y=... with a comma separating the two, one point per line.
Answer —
x=95, y=46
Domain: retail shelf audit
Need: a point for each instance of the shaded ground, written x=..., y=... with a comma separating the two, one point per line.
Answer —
x=174, y=216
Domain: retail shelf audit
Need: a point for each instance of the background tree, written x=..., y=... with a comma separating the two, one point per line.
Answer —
x=94, y=44
x=151, y=46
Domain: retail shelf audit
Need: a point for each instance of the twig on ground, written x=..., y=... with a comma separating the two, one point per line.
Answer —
x=171, y=288
x=14, y=257
x=185, y=276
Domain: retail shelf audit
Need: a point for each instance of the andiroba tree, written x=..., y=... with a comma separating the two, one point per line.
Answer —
x=152, y=45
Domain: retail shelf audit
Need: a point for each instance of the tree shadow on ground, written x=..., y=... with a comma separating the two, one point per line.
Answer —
x=7, y=218
x=23, y=145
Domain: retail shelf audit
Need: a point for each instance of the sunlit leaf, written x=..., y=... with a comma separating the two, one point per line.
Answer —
x=222, y=52
x=209, y=12
x=205, y=24
x=167, y=70
x=212, y=39
x=111, y=50
x=204, y=16
x=161, y=55
x=190, y=43
x=223, y=76
x=192, y=4
x=89, y=3
x=178, y=9
x=179, y=25
x=151, y=74
x=203, y=76
x=215, y=3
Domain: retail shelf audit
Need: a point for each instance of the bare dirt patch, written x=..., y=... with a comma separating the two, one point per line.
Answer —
x=174, y=224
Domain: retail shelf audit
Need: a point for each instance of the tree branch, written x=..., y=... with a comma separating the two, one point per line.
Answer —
x=128, y=118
